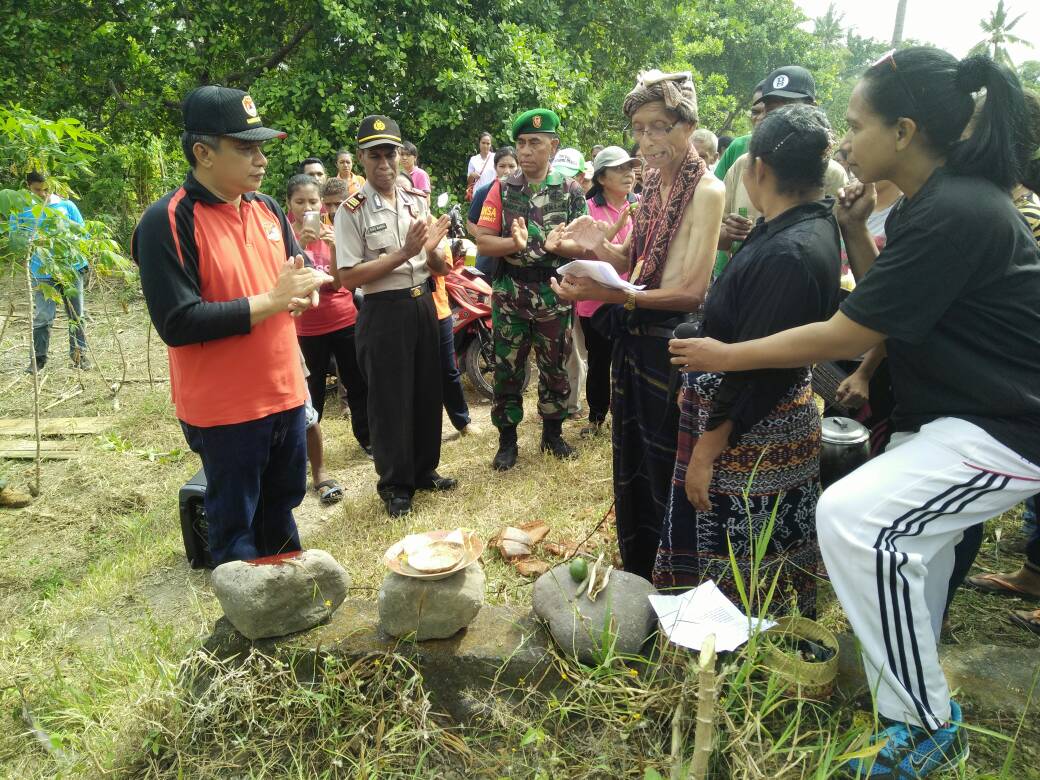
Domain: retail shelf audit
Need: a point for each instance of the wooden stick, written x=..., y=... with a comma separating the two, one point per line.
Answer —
x=678, y=770
x=35, y=488
x=63, y=399
x=704, y=736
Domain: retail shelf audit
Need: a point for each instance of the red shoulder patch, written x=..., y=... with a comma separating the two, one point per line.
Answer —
x=353, y=203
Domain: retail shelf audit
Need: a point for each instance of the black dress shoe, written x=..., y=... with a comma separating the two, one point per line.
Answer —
x=398, y=506
x=436, y=482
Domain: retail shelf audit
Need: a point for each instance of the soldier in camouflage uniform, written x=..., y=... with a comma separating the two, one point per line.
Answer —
x=516, y=224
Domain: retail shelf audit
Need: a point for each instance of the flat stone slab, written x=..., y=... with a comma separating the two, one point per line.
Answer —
x=502, y=642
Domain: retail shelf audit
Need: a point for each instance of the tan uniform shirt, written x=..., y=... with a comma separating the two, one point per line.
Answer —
x=378, y=227
x=737, y=197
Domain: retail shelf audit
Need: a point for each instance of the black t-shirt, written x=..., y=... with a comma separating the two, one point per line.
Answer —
x=786, y=274
x=956, y=291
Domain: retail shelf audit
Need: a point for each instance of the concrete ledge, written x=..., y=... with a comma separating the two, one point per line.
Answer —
x=505, y=642
x=512, y=646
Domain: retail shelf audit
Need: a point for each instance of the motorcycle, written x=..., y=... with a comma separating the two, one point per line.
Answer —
x=469, y=295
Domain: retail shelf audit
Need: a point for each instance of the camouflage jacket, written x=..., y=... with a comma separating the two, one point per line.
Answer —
x=559, y=201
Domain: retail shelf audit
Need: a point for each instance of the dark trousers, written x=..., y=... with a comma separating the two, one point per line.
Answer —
x=597, y=379
x=256, y=474
x=340, y=344
x=44, y=311
x=644, y=434
x=399, y=354
x=451, y=379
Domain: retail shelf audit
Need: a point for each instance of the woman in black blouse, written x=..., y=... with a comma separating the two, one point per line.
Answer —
x=749, y=441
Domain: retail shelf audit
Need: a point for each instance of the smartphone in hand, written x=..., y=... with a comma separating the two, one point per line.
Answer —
x=312, y=221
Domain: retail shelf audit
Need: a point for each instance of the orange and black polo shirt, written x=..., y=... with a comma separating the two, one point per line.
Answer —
x=201, y=259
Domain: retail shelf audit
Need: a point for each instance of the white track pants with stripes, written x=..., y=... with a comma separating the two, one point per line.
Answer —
x=887, y=533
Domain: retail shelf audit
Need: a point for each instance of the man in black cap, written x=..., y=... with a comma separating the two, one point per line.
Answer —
x=221, y=274
x=786, y=85
x=387, y=245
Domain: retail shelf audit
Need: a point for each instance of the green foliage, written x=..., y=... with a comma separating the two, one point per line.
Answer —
x=1029, y=73
x=29, y=228
x=447, y=71
x=998, y=26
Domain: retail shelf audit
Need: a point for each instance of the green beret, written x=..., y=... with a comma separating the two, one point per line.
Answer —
x=537, y=120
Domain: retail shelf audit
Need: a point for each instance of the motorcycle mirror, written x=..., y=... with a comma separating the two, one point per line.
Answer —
x=442, y=200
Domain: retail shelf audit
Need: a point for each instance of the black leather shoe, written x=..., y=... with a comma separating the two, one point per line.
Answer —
x=398, y=506
x=505, y=458
x=558, y=448
x=436, y=482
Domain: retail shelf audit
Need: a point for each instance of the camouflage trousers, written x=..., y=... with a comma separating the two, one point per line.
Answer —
x=526, y=315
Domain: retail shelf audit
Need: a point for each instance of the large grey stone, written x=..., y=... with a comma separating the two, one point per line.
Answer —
x=578, y=625
x=279, y=598
x=430, y=609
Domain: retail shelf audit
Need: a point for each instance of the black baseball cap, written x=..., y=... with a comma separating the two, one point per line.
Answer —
x=790, y=81
x=223, y=111
x=378, y=130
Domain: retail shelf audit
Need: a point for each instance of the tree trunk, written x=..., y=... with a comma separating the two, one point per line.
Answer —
x=35, y=490
x=897, y=33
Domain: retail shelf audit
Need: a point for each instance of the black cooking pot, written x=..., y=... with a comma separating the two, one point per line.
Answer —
x=846, y=447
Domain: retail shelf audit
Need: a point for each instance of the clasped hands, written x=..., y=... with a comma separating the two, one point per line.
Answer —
x=297, y=287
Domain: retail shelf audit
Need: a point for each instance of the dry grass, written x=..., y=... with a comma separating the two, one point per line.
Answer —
x=98, y=609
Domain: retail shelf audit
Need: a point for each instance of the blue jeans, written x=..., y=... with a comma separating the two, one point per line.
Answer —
x=256, y=474
x=451, y=380
x=44, y=311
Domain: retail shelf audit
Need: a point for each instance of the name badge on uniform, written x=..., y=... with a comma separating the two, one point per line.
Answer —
x=516, y=202
x=375, y=228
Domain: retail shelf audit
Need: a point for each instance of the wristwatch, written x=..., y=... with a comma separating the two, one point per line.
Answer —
x=630, y=301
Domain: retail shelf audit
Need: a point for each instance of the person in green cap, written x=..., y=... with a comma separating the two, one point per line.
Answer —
x=522, y=223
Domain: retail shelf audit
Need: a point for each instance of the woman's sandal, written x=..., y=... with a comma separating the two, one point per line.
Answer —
x=999, y=585
x=1028, y=619
x=329, y=491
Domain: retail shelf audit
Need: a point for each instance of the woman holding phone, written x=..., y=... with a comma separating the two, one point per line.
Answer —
x=954, y=297
x=326, y=331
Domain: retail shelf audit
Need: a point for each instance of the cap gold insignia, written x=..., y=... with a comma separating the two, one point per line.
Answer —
x=249, y=105
x=536, y=120
x=379, y=125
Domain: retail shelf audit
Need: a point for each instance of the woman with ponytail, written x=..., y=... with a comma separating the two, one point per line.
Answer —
x=953, y=295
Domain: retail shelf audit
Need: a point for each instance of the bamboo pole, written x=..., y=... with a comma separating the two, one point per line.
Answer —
x=704, y=736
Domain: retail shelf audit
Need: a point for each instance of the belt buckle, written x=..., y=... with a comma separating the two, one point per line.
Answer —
x=415, y=292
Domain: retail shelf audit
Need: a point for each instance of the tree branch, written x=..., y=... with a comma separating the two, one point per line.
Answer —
x=246, y=77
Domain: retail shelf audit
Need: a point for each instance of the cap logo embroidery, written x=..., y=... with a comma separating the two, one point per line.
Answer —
x=536, y=120
x=781, y=81
x=249, y=105
x=379, y=125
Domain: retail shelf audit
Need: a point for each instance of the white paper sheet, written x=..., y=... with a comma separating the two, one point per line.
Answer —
x=598, y=271
x=689, y=618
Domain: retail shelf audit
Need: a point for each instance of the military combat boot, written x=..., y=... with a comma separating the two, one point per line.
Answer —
x=505, y=458
x=552, y=440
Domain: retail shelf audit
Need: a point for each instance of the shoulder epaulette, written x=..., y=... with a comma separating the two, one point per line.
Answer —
x=353, y=203
x=415, y=191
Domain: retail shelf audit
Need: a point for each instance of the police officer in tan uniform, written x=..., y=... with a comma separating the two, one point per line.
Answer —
x=387, y=244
